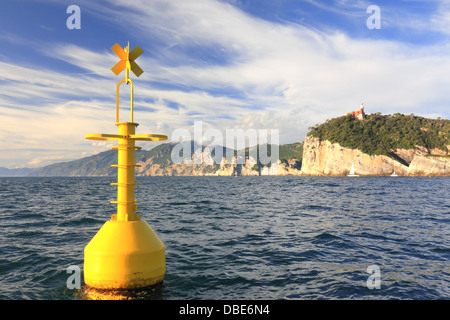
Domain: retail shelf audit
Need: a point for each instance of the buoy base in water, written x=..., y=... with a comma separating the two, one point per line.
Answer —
x=124, y=255
x=151, y=292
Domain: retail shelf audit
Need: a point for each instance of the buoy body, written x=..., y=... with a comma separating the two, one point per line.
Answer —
x=124, y=255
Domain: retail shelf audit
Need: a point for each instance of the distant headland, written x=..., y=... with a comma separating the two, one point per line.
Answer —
x=378, y=145
x=373, y=144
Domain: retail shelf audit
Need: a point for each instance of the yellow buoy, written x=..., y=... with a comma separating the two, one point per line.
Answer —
x=125, y=253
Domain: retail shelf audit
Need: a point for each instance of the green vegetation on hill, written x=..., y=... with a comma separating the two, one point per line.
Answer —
x=291, y=151
x=380, y=134
x=286, y=152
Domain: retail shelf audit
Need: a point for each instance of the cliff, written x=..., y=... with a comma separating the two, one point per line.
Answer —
x=426, y=165
x=377, y=145
x=378, y=134
x=280, y=168
x=324, y=158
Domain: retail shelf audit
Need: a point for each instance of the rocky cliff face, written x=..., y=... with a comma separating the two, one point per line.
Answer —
x=325, y=158
x=281, y=168
x=429, y=166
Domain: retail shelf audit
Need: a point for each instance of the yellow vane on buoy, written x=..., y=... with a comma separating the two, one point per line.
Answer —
x=125, y=253
x=127, y=60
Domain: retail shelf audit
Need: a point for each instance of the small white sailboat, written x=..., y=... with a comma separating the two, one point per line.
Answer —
x=394, y=174
x=352, y=171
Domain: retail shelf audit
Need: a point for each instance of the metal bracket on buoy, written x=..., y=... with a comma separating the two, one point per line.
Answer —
x=133, y=254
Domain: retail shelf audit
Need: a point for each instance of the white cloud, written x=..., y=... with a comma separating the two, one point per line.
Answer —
x=262, y=75
x=299, y=66
x=440, y=21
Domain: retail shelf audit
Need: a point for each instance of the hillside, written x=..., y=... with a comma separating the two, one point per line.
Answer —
x=158, y=161
x=5, y=172
x=378, y=145
x=381, y=134
x=286, y=152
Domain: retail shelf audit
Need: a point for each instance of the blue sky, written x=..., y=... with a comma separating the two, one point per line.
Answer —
x=232, y=64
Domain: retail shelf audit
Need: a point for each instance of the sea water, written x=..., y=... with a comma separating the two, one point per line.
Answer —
x=240, y=237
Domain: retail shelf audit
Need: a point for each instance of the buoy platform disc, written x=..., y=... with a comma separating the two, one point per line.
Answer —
x=124, y=255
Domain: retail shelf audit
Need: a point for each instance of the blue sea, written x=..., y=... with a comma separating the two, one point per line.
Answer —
x=240, y=237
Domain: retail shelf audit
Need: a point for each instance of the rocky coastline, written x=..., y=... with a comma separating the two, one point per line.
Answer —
x=323, y=158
